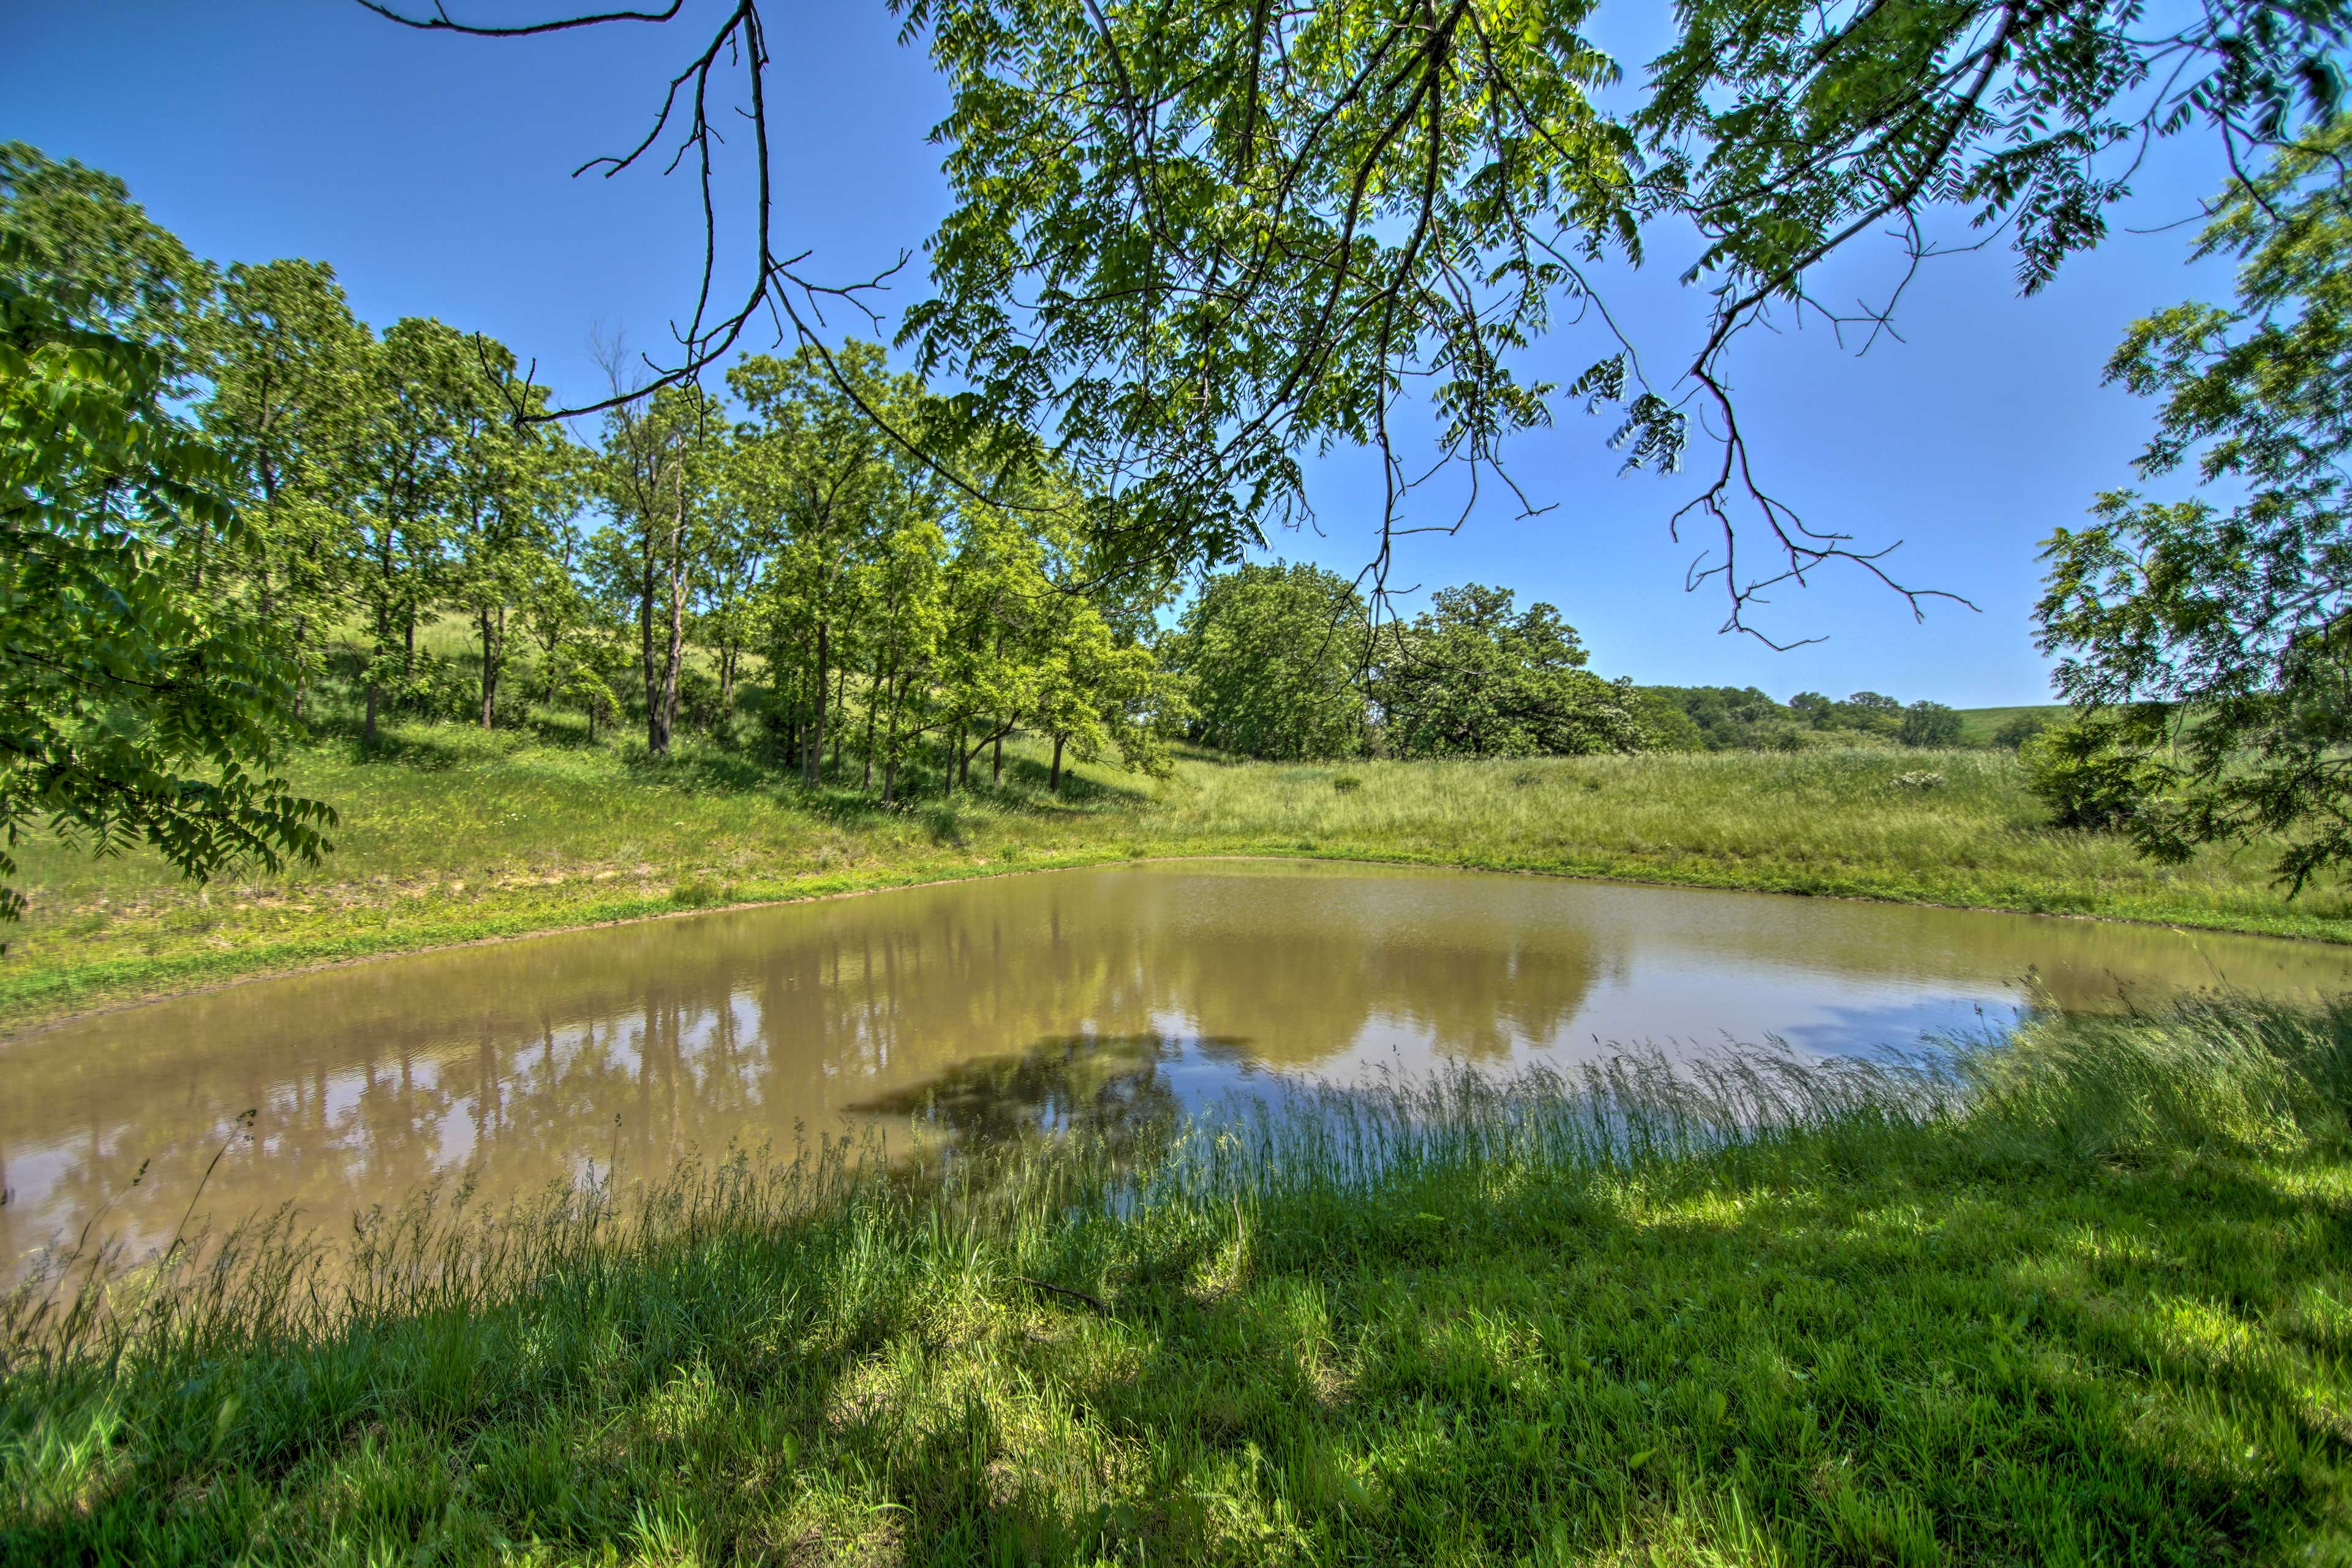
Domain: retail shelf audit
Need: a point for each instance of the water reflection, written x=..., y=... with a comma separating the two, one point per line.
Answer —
x=1153, y=989
x=1116, y=1088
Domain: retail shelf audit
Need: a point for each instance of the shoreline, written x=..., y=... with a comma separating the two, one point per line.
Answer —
x=113, y=998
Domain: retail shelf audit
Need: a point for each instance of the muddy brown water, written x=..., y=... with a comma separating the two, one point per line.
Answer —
x=984, y=1006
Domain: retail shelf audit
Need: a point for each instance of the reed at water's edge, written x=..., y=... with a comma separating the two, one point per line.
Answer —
x=2083, y=1295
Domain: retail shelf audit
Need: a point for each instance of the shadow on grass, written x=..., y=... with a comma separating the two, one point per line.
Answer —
x=1862, y=1344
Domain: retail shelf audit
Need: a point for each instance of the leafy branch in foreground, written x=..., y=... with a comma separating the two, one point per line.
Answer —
x=1785, y=133
x=1191, y=244
x=132, y=708
x=2215, y=641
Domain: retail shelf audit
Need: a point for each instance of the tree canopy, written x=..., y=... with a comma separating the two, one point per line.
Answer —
x=2209, y=637
x=1188, y=245
x=133, y=706
x=1475, y=675
x=1274, y=652
x=222, y=495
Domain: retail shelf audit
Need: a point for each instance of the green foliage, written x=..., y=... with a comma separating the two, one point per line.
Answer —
x=1187, y=245
x=1727, y=718
x=1471, y=675
x=1784, y=128
x=1667, y=724
x=83, y=240
x=1929, y=724
x=133, y=707
x=2089, y=774
x=2013, y=731
x=1410, y=196
x=2221, y=634
x=1273, y=653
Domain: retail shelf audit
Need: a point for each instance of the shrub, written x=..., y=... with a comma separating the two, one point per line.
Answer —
x=2088, y=778
x=1346, y=782
x=2013, y=734
x=699, y=704
x=1930, y=724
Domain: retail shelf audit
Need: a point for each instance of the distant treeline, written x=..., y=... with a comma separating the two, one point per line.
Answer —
x=1289, y=663
x=1742, y=719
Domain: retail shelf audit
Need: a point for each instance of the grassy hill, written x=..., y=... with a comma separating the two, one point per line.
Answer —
x=1979, y=724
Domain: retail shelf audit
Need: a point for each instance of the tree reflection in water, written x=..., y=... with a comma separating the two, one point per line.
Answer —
x=1114, y=1089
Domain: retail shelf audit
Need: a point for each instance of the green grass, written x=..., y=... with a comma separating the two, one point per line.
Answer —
x=451, y=835
x=2088, y=1299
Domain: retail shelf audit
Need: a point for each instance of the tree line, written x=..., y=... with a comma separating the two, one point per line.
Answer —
x=1743, y=719
x=380, y=481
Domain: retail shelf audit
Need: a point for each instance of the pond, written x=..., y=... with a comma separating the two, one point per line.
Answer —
x=984, y=1006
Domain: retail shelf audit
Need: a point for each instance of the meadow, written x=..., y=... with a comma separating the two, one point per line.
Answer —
x=451, y=834
x=2079, y=1298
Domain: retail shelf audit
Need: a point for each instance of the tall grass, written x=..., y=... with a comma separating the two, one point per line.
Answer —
x=2077, y=1298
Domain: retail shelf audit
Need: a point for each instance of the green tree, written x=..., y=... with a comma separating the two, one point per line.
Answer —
x=1096, y=690
x=908, y=605
x=1929, y=724
x=1189, y=243
x=658, y=478
x=420, y=384
x=286, y=361
x=82, y=238
x=2015, y=731
x=1473, y=675
x=1667, y=724
x=1722, y=718
x=2214, y=635
x=513, y=483
x=133, y=708
x=815, y=468
x=1273, y=653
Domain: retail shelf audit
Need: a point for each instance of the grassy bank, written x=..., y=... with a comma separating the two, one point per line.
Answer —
x=450, y=835
x=2092, y=1309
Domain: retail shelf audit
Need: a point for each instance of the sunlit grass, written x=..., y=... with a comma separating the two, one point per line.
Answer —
x=2081, y=1300
x=453, y=835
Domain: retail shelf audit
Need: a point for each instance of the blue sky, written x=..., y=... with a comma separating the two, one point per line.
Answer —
x=432, y=173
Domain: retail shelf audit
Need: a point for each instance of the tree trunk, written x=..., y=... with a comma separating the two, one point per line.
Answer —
x=653, y=740
x=494, y=639
x=813, y=760
x=840, y=706
x=873, y=706
x=955, y=752
x=301, y=671
x=375, y=657
x=673, y=658
x=1054, y=782
x=890, y=743
x=996, y=767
